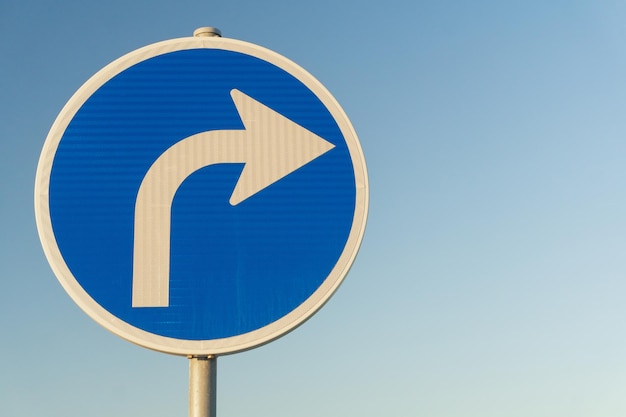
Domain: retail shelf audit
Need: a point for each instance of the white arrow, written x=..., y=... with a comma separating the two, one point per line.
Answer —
x=271, y=147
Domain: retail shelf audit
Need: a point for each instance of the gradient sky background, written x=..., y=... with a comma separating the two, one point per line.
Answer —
x=491, y=280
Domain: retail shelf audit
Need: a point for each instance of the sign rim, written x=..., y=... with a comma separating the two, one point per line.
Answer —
x=231, y=344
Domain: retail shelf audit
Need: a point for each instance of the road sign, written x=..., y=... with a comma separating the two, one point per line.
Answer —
x=201, y=196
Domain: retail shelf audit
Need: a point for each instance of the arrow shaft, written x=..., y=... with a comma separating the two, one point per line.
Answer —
x=153, y=207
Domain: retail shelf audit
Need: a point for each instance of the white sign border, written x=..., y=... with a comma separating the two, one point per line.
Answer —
x=170, y=345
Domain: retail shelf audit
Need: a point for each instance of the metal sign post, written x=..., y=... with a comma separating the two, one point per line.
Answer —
x=202, y=386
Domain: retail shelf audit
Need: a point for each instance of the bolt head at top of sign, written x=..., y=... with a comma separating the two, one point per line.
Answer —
x=201, y=195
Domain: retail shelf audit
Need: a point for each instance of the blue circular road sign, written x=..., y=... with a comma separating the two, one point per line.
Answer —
x=201, y=196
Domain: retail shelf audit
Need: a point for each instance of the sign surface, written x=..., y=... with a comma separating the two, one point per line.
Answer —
x=201, y=196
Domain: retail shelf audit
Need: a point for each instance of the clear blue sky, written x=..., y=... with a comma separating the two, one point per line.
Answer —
x=492, y=277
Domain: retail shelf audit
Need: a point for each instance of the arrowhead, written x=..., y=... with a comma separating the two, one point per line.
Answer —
x=275, y=147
